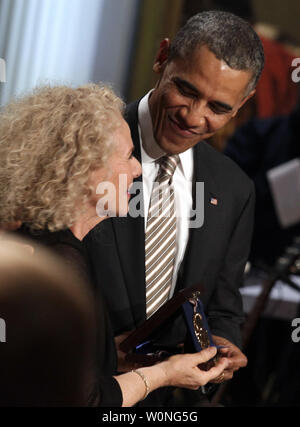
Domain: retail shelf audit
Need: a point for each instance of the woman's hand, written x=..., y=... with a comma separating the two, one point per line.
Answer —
x=182, y=370
x=178, y=371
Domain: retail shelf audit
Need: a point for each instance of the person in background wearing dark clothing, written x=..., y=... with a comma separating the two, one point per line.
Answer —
x=49, y=340
x=257, y=147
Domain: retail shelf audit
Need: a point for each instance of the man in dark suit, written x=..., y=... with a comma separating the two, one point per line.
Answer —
x=204, y=78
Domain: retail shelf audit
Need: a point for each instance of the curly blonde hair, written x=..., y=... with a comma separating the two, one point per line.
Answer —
x=50, y=141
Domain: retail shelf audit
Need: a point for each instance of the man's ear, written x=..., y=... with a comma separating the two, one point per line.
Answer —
x=245, y=100
x=162, y=56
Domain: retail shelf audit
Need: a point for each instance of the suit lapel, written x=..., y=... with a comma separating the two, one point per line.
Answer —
x=192, y=269
x=129, y=234
x=131, y=116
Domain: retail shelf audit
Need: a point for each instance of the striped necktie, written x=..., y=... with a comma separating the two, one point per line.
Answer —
x=160, y=238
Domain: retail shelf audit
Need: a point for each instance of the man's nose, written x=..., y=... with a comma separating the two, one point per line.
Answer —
x=194, y=116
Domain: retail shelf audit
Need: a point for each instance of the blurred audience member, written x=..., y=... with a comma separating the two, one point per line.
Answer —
x=257, y=147
x=45, y=358
x=276, y=92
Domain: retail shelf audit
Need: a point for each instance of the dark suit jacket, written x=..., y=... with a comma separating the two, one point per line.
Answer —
x=215, y=256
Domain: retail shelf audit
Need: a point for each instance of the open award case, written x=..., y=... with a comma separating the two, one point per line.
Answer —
x=139, y=346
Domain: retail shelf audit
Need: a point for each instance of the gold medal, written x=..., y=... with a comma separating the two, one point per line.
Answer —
x=199, y=329
x=200, y=332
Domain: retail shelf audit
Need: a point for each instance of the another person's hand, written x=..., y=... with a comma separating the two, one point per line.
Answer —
x=235, y=357
x=12, y=226
x=123, y=364
x=9, y=226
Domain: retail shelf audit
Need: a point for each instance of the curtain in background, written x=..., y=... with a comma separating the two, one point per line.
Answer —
x=64, y=42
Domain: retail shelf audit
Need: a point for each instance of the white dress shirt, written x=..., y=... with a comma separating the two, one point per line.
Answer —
x=182, y=181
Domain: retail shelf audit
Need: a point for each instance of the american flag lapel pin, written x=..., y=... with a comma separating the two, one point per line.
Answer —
x=214, y=201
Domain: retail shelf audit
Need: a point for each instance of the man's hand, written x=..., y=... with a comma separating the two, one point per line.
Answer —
x=236, y=358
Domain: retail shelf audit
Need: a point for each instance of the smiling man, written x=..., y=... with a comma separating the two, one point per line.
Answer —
x=194, y=98
x=205, y=75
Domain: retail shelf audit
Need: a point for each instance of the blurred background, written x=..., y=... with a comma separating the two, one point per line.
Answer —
x=78, y=41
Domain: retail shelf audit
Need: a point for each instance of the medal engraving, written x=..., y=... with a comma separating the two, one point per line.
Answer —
x=200, y=331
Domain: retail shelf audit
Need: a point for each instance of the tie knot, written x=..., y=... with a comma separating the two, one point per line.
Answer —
x=168, y=165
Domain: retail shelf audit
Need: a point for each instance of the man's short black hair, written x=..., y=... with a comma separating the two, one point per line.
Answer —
x=228, y=36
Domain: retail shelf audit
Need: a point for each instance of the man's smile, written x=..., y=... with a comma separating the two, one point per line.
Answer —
x=182, y=129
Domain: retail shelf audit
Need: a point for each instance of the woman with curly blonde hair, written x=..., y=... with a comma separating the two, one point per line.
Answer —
x=50, y=142
x=56, y=146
